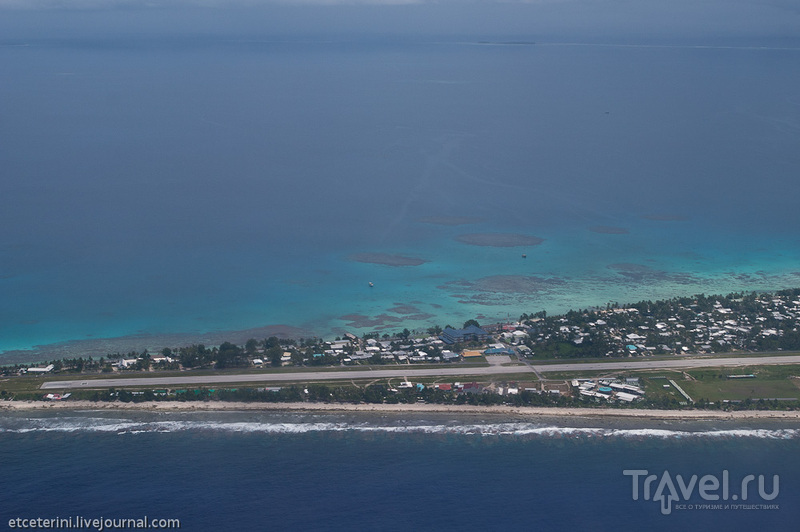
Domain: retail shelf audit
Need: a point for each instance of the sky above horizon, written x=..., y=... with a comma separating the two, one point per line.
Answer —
x=590, y=19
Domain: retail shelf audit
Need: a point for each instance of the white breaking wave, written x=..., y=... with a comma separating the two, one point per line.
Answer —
x=127, y=426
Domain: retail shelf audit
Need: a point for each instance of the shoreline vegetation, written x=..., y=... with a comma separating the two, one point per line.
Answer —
x=739, y=324
x=505, y=410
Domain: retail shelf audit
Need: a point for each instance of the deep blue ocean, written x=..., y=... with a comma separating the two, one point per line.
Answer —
x=258, y=471
x=168, y=173
x=173, y=172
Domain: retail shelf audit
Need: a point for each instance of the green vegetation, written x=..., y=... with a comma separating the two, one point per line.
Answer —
x=737, y=323
x=770, y=382
x=376, y=393
x=560, y=349
x=749, y=322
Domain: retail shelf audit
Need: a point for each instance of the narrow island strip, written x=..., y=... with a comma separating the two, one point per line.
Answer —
x=500, y=410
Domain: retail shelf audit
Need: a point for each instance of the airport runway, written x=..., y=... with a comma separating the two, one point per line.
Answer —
x=315, y=376
x=683, y=363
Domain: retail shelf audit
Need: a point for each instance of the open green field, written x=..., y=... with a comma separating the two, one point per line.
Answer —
x=769, y=382
x=711, y=384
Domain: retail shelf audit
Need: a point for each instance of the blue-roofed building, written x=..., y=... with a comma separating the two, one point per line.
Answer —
x=499, y=351
x=469, y=334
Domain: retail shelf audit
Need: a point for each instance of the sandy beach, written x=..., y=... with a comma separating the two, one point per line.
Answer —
x=531, y=412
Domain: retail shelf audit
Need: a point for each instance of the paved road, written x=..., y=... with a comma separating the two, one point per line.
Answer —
x=684, y=363
x=398, y=372
x=282, y=377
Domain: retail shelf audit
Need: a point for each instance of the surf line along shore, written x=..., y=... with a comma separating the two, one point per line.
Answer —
x=210, y=406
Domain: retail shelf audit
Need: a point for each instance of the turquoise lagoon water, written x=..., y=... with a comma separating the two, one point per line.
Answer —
x=163, y=189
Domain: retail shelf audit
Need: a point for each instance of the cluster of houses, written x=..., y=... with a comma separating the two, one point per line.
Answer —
x=354, y=350
x=126, y=363
x=607, y=389
x=688, y=328
x=37, y=370
x=501, y=388
x=429, y=349
x=57, y=396
x=679, y=326
x=610, y=389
